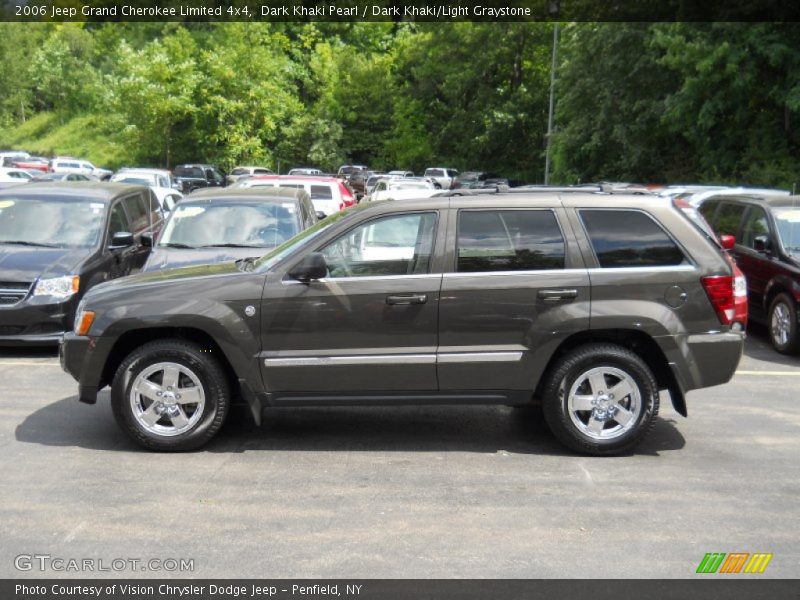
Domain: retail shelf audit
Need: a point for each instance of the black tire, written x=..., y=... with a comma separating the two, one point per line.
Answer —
x=190, y=356
x=565, y=374
x=785, y=303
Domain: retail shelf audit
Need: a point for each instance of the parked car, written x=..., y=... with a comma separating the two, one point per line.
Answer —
x=766, y=229
x=480, y=180
x=222, y=225
x=59, y=240
x=306, y=171
x=13, y=175
x=32, y=163
x=66, y=164
x=401, y=189
x=328, y=194
x=238, y=173
x=356, y=178
x=372, y=181
x=698, y=198
x=588, y=304
x=441, y=175
x=158, y=180
x=8, y=157
x=193, y=177
x=63, y=177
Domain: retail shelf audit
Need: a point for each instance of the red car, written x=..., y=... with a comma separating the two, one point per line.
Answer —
x=767, y=250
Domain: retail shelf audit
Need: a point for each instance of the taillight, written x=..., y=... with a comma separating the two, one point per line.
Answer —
x=728, y=296
x=347, y=197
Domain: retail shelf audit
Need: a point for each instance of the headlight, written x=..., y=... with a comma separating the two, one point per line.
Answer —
x=57, y=287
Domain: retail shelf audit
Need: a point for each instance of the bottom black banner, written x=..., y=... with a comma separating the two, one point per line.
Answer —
x=389, y=589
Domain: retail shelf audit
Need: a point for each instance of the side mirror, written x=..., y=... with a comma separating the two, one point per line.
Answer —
x=147, y=240
x=311, y=267
x=761, y=243
x=121, y=239
x=320, y=215
x=727, y=241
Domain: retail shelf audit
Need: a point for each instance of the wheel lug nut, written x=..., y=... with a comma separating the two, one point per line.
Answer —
x=177, y=396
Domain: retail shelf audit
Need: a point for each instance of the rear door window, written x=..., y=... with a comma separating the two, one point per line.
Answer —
x=728, y=217
x=509, y=240
x=321, y=192
x=630, y=238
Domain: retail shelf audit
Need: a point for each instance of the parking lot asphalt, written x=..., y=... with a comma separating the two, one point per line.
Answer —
x=403, y=492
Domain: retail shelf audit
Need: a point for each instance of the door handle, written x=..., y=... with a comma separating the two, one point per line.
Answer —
x=410, y=299
x=556, y=295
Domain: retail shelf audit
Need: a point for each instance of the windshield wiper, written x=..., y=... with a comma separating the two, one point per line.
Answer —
x=27, y=243
x=176, y=245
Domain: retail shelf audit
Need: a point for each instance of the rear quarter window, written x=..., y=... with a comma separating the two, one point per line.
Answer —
x=629, y=238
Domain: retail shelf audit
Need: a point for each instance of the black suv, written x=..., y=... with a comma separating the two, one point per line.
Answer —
x=767, y=249
x=587, y=303
x=192, y=177
x=58, y=240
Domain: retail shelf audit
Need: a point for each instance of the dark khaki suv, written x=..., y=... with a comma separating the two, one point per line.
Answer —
x=590, y=304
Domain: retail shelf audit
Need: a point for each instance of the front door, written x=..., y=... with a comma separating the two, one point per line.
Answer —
x=371, y=324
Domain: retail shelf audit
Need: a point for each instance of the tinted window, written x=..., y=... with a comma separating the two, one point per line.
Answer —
x=394, y=245
x=118, y=221
x=627, y=238
x=707, y=209
x=728, y=218
x=754, y=225
x=321, y=192
x=509, y=240
x=137, y=212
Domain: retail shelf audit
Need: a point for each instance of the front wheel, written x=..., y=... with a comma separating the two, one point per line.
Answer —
x=783, y=324
x=170, y=395
x=600, y=399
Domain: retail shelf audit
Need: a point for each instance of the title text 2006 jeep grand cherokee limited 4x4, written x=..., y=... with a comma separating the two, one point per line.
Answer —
x=587, y=303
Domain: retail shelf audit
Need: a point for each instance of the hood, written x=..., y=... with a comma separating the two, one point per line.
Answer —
x=28, y=263
x=173, y=258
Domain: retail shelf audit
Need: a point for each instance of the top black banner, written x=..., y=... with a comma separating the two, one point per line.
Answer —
x=400, y=10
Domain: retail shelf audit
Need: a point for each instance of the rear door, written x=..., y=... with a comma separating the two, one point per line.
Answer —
x=516, y=287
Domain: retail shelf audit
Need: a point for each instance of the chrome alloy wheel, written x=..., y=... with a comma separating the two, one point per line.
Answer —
x=780, y=326
x=604, y=403
x=167, y=399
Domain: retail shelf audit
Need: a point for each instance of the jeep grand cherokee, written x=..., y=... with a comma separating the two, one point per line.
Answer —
x=588, y=303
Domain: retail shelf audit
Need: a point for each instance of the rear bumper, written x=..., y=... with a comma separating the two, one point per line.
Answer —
x=703, y=360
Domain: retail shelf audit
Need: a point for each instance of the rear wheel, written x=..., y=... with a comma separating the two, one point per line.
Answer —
x=783, y=324
x=600, y=399
x=169, y=395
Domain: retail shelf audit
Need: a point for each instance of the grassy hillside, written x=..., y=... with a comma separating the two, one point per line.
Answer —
x=48, y=134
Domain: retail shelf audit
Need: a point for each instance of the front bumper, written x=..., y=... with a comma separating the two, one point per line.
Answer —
x=84, y=358
x=32, y=323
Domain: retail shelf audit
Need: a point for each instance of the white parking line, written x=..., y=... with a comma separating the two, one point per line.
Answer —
x=21, y=363
x=778, y=373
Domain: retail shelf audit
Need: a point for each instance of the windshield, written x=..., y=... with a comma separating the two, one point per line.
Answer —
x=245, y=224
x=51, y=222
x=788, y=220
x=272, y=258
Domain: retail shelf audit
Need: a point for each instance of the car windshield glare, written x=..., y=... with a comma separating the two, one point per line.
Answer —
x=788, y=221
x=248, y=224
x=51, y=222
